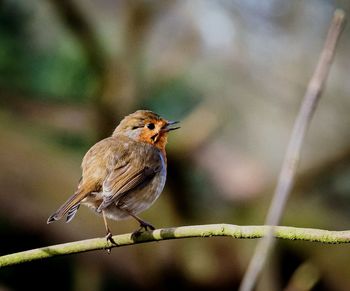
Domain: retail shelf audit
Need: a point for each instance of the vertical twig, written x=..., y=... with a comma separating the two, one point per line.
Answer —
x=287, y=174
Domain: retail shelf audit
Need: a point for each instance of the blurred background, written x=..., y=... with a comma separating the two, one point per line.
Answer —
x=234, y=73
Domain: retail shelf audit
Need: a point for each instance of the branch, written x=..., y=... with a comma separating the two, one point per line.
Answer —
x=209, y=230
x=292, y=156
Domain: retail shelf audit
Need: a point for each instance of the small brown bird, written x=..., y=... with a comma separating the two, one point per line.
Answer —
x=124, y=174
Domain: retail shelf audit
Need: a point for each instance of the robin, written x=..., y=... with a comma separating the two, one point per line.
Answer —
x=124, y=174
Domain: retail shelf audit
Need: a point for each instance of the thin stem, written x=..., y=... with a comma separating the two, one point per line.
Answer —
x=291, y=160
x=210, y=230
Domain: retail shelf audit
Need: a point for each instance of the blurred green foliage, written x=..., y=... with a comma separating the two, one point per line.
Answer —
x=60, y=73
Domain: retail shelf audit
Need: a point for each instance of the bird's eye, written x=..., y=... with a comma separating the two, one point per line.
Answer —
x=151, y=126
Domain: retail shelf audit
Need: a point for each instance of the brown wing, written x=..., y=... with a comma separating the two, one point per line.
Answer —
x=125, y=179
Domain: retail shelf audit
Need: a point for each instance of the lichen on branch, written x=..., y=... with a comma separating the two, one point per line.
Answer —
x=209, y=230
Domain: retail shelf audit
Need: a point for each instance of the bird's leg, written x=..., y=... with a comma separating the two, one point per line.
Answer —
x=144, y=225
x=109, y=234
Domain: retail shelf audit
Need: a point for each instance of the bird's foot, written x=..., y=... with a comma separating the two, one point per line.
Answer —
x=144, y=226
x=109, y=238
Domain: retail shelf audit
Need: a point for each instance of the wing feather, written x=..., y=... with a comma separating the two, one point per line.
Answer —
x=122, y=181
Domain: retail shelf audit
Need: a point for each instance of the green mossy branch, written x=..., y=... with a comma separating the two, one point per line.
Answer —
x=234, y=231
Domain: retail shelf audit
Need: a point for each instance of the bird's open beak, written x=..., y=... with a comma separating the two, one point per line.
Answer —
x=168, y=127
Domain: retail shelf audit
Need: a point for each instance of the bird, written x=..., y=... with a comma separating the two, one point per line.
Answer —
x=124, y=174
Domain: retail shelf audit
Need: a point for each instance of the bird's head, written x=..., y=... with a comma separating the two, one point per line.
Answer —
x=146, y=126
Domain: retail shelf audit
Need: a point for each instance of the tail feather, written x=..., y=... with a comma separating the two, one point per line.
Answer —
x=72, y=212
x=70, y=207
